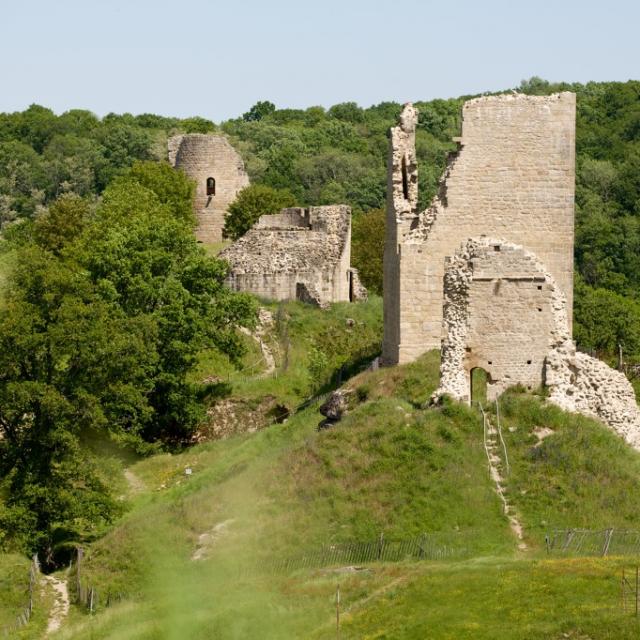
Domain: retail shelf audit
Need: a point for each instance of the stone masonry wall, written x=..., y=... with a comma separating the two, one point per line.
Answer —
x=296, y=254
x=504, y=312
x=513, y=177
x=203, y=156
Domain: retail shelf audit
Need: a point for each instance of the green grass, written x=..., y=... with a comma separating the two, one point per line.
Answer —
x=14, y=596
x=310, y=346
x=582, y=475
x=391, y=465
x=577, y=599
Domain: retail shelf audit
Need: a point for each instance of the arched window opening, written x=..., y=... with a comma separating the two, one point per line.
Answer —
x=478, y=379
x=211, y=187
x=405, y=179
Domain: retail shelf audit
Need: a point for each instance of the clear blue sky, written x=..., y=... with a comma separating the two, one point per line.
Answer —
x=216, y=59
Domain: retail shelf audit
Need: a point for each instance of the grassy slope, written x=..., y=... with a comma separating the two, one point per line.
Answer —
x=388, y=466
x=391, y=466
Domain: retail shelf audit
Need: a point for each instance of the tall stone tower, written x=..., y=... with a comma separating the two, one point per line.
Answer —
x=512, y=178
x=219, y=173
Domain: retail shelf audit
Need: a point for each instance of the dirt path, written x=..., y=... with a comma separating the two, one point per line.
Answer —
x=135, y=484
x=265, y=321
x=493, y=443
x=60, y=608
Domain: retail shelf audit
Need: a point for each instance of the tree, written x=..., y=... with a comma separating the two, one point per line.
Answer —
x=197, y=125
x=69, y=362
x=63, y=222
x=141, y=254
x=259, y=111
x=604, y=320
x=102, y=325
x=252, y=202
x=367, y=247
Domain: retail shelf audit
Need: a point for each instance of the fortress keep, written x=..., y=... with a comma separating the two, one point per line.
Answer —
x=219, y=173
x=486, y=272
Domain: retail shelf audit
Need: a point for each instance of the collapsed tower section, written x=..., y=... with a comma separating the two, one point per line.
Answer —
x=219, y=174
x=512, y=177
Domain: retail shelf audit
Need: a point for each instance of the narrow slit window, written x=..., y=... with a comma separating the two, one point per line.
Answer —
x=405, y=179
x=211, y=186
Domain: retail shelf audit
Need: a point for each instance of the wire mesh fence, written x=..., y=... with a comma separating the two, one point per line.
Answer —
x=593, y=542
x=423, y=547
x=25, y=615
x=85, y=594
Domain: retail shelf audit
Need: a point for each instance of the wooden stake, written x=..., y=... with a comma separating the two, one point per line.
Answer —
x=338, y=611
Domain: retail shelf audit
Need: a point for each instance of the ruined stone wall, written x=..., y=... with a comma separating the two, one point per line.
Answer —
x=512, y=178
x=503, y=313
x=402, y=210
x=296, y=254
x=203, y=156
x=577, y=382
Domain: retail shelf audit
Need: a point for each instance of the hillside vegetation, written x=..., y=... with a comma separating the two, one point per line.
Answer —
x=123, y=360
x=325, y=156
x=389, y=466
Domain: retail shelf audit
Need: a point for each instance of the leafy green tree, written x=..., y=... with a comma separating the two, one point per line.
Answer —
x=69, y=361
x=259, y=111
x=367, y=247
x=62, y=223
x=252, y=202
x=603, y=320
x=170, y=186
x=141, y=254
x=197, y=125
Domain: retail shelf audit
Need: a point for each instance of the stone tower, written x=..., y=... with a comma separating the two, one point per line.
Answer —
x=219, y=173
x=512, y=177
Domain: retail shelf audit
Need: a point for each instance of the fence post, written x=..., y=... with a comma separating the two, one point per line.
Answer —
x=338, y=611
x=608, y=534
x=637, y=581
x=380, y=545
x=79, y=554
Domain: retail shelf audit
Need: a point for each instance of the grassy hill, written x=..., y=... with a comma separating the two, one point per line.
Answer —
x=389, y=466
x=192, y=555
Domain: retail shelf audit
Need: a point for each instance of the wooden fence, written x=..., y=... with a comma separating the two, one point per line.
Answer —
x=85, y=594
x=589, y=542
x=25, y=615
x=423, y=547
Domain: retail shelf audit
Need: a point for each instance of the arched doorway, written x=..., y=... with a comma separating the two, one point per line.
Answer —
x=211, y=186
x=478, y=379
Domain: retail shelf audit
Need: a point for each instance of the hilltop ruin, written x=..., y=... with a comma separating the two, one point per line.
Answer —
x=297, y=254
x=486, y=271
x=218, y=171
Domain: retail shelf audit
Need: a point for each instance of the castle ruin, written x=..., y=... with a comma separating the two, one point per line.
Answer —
x=219, y=174
x=512, y=177
x=486, y=272
x=297, y=254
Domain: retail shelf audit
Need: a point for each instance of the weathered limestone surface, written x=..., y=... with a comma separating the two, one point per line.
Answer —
x=504, y=312
x=201, y=157
x=513, y=177
x=297, y=254
x=578, y=382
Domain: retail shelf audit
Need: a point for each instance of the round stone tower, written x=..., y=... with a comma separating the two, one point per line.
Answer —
x=219, y=173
